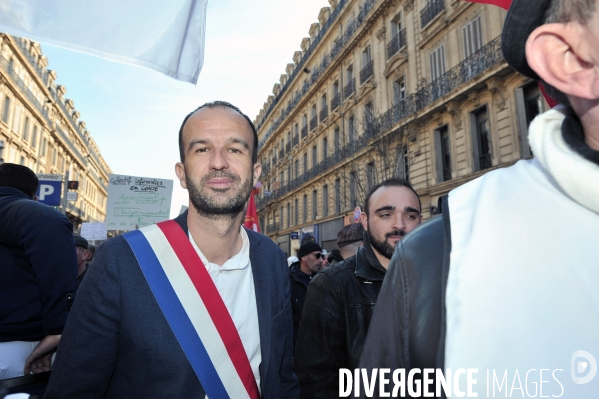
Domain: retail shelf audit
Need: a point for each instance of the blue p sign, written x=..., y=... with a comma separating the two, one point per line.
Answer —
x=48, y=192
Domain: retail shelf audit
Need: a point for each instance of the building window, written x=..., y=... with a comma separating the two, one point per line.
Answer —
x=54, y=157
x=296, y=169
x=370, y=175
x=6, y=109
x=22, y=161
x=336, y=141
x=351, y=128
x=314, y=120
x=529, y=103
x=305, y=210
x=325, y=148
x=368, y=112
x=305, y=162
x=288, y=214
x=314, y=156
x=26, y=129
x=403, y=163
x=34, y=137
x=337, y=196
x=352, y=190
x=481, y=135
x=399, y=90
x=472, y=37
x=398, y=36
x=314, y=204
x=437, y=60
x=325, y=201
x=44, y=146
x=296, y=212
x=281, y=219
x=443, y=154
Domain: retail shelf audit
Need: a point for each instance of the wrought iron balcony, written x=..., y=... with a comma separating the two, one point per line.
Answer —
x=272, y=227
x=281, y=153
x=304, y=132
x=287, y=147
x=397, y=43
x=367, y=72
x=324, y=113
x=313, y=122
x=295, y=140
x=432, y=9
x=349, y=88
x=335, y=102
x=274, y=159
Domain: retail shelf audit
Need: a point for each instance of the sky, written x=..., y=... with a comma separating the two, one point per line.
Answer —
x=134, y=114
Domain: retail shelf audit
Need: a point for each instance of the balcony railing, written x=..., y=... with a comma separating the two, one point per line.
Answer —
x=324, y=113
x=288, y=147
x=470, y=68
x=335, y=102
x=485, y=161
x=397, y=43
x=447, y=173
x=349, y=89
x=295, y=140
x=432, y=9
x=313, y=122
x=274, y=159
x=367, y=72
x=304, y=132
x=281, y=153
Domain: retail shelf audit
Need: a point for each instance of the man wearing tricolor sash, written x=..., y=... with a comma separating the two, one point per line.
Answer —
x=502, y=289
x=193, y=307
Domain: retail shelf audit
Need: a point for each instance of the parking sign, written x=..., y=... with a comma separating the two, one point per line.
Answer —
x=50, y=189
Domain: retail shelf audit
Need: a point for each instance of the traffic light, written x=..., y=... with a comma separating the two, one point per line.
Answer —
x=73, y=185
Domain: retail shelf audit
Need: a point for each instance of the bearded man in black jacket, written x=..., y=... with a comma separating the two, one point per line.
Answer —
x=341, y=299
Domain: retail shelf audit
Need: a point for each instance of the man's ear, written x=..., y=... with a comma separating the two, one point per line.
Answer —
x=560, y=55
x=180, y=172
x=364, y=220
x=257, y=172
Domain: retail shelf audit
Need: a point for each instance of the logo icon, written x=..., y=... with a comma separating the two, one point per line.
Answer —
x=583, y=362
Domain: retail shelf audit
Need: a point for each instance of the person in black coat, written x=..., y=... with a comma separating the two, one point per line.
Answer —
x=300, y=273
x=37, y=277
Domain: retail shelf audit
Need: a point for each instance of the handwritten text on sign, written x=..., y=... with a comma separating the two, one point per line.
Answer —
x=134, y=202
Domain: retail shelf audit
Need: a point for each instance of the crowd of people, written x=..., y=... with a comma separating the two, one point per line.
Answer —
x=505, y=280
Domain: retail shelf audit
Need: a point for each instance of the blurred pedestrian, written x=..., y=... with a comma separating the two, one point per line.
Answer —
x=83, y=257
x=349, y=239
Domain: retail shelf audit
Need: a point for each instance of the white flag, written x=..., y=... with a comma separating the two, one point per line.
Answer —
x=167, y=36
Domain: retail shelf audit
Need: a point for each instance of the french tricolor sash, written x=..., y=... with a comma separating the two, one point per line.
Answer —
x=194, y=310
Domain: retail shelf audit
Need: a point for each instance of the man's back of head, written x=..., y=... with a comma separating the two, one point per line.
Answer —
x=18, y=177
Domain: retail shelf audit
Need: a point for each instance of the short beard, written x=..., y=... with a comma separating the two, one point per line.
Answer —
x=383, y=247
x=209, y=208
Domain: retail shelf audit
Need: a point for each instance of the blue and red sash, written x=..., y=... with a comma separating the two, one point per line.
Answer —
x=194, y=310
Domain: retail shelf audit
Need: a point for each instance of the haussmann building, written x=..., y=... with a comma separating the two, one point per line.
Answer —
x=416, y=89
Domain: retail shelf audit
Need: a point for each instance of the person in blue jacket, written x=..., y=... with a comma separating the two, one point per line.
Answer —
x=38, y=270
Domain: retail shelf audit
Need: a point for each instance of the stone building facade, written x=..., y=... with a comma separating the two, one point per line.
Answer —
x=411, y=88
x=41, y=129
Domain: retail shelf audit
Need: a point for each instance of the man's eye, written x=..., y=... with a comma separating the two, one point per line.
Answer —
x=202, y=149
x=411, y=217
x=235, y=150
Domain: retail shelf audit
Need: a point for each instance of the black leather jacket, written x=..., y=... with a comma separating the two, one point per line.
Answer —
x=338, y=308
x=408, y=326
x=298, y=288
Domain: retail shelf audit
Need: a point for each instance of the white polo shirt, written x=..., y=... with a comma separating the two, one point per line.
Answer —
x=235, y=283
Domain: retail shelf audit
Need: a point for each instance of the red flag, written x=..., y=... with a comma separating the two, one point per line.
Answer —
x=251, y=216
x=505, y=4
